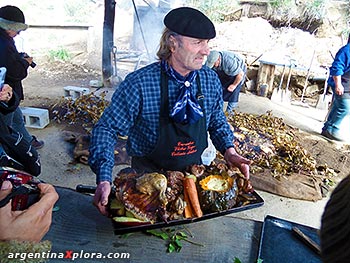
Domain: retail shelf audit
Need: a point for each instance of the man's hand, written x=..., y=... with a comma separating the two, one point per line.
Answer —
x=5, y=93
x=232, y=87
x=339, y=88
x=101, y=197
x=235, y=160
x=30, y=224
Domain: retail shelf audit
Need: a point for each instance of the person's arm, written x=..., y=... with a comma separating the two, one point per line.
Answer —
x=30, y=224
x=17, y=67
x=340, y=65
x=233, y=65
x=116, y=120
x=220, y=132
x=339, y=88
x=234, y=84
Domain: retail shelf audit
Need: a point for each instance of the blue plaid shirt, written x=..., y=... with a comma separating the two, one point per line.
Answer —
x=134, y=112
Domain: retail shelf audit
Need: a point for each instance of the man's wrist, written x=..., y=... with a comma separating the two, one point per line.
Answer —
x=104, y=182
x=226, y=148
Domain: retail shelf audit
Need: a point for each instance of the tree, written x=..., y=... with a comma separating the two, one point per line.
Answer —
x=107, y=42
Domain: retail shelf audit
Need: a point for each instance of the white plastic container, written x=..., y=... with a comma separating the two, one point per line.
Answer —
x=209, y=153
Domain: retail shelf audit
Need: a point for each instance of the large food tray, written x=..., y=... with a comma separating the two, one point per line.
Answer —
x=121, y=228
x=279, y=244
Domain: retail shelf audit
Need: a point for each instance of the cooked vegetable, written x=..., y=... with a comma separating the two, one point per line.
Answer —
x=124, y=219
x=217, y=193
x=188, y=209
x=117, y=208
x=190, y=188
x=216, y=183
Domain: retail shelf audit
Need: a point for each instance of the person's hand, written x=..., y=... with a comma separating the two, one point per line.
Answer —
x=339, y=89
x=101, y=197
x=235, y=160
x=29, y=59
x=6, y=93
x=231, y=88
x=30, y=224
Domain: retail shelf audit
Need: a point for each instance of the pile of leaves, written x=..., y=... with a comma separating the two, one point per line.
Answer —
x=271, y=144
x=84, y=110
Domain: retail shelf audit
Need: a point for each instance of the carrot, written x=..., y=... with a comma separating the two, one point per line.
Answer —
x=188, y=208
x=190, y=188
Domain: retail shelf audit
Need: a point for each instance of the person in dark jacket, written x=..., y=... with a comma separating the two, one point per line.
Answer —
x=335, y=225
x=12, y=22
x=15, y=151
x=33, y=223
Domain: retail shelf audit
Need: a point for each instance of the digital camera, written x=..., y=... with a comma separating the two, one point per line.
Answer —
x=25, y=55
x=25, y=191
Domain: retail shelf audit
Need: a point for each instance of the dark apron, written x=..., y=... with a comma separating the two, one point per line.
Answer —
x=178, y=145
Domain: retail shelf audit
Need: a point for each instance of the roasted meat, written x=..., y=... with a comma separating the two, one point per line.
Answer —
x=147, y=205
x=153, y=182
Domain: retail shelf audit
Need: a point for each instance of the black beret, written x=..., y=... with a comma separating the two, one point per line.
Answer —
x=190, y=22
x=12, y=13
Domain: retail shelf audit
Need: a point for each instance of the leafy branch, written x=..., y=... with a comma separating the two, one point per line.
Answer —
x=173, y=237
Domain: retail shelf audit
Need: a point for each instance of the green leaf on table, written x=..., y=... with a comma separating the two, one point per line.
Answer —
x=160, y=234
x=237, y=260
x=171, y=247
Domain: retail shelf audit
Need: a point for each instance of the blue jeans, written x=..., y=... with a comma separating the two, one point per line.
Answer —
x=231, y=107
x=15, y=120
x=340, y=108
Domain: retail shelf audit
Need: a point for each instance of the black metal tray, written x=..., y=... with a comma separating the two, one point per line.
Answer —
x=278, y=242
x=122, y=229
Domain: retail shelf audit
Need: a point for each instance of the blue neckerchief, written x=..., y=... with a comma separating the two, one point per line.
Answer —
x=186, y=108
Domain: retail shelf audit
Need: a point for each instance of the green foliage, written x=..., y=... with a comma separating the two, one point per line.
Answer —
x=59, y=54
x=173, y=237
x=280, y=3
x=315, y=8
x=215, y=9
x=78, y=11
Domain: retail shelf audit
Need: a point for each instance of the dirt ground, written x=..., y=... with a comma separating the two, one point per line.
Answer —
x=44, y=87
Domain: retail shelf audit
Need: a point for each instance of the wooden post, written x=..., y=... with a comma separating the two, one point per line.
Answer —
x=107, y=45
x=266, y=75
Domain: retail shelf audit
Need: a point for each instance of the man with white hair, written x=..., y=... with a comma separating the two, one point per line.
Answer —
x=166, y=108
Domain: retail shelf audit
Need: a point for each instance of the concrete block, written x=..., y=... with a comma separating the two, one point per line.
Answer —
x=35, y=117
x=75, y=92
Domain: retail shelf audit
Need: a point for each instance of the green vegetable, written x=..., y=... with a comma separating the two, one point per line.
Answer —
x=174, y=238
x=124, y=219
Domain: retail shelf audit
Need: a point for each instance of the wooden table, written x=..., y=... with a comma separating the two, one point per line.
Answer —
x=78, y=227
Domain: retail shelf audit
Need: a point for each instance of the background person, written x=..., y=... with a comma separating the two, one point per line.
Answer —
x=339, y=81
x=231, y=69
x=12, y=22
x=12, y=143
x=33, y=223
x=335, y=225
x=168, y=103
